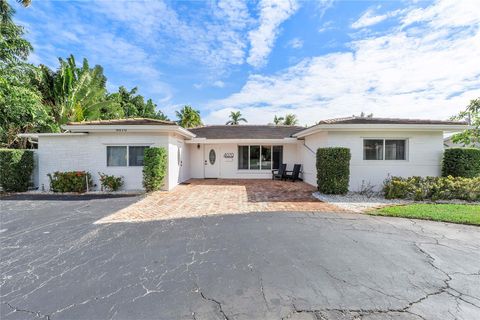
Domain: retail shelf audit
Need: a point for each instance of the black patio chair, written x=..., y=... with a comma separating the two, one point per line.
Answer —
x=294, y=173
x=280, y=172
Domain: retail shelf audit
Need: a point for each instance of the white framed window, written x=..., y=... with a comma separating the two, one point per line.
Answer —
x=125, y=156
x=384, y=149
x=259, y=157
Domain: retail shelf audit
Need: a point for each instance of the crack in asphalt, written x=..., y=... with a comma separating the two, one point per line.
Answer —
x=217, y=303
x=37, y=314
x=317, y=313
x=199, y=253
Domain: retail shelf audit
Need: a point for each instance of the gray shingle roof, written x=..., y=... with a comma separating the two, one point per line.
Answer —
x=245, y=131
x=128, y=121
x=366, y=120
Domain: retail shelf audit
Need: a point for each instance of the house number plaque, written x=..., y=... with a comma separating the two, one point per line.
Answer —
x=228, y=156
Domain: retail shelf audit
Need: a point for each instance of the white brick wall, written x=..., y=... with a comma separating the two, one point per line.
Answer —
x=88, y=152
x=424, y=154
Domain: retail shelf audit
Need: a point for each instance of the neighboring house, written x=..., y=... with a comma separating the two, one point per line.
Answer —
x=379, y=148
x=448, y=143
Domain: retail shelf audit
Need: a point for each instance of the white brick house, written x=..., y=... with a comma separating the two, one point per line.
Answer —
x=379, y=148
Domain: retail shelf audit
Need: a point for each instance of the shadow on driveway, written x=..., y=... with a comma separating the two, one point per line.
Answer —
x=63, y=197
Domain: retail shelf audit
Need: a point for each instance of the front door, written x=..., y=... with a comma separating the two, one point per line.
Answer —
x=211, y=161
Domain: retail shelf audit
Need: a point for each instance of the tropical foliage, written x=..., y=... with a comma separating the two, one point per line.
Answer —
x=188, y=117
x=154, y=168
x=16, y=167
x=333, y=170
x=70, y=181
x=38, y=99
x=13, y=48
x=461, y=162
x=236, y=118
x=469, y=137
x=134, y=105
x=289, y=120
x=432, y=188
x=278, y=120
x=110, y=182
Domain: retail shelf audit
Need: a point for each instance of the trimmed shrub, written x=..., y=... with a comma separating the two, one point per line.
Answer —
x=16, y=167
x=333, y=170
x=432, y=188
x=70, y=181
x=461, y=162
x=154, y=168
x=110, y=183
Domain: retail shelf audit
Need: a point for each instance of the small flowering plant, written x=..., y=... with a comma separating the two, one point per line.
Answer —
x=70, y=181
x=110, y=182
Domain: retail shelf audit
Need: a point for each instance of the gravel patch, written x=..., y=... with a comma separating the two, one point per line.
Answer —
x=356, y=202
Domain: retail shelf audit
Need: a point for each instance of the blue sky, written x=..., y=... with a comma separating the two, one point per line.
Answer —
x=317, y=59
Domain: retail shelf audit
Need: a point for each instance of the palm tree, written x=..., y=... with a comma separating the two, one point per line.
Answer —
x=278, y=120
x=188, y=117
x=25, y=3
x=235, y=117
x=290, y=120
x=76, y=93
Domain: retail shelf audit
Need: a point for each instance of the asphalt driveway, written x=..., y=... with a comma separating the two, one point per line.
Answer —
x=57, y=264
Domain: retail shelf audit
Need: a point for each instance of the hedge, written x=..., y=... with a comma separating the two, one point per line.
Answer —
x=16, y=167
x=154, y=168
x=432, y=188
x=461, y=162
x=70, y=181
x=333, y=170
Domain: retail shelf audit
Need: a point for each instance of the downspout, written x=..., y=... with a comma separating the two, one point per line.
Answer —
x=308, y=148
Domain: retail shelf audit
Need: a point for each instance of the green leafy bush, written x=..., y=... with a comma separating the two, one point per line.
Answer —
x=16, y=167
x=154, y=168
x=110, y=183
x=71, y=181
x=333, y=170
x=432, y=188
x=461, y=162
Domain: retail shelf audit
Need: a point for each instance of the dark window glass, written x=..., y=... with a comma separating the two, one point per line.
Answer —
x=242, y=157
x=254, y=157
x=116, y=156
x=212, y=157
x=135, y=156
x=277, y=156
x=395, y=150
x=373, y=149
x=266, y=157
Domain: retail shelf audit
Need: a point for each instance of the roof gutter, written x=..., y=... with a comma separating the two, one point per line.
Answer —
x=242, y=141
x=381, y=127
x=130, y=128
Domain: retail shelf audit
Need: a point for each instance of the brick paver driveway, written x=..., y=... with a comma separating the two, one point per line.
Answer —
x=199, y=197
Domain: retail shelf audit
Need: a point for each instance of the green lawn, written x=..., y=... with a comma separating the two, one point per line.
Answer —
x=456, y=213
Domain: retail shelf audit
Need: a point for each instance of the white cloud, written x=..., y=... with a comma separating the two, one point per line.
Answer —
x=296, y=43
x=423, y=71
x=326, y=26
x=323, y=6
x=272, y=15
x=446, y=13
x=369, y=18
x=219, y=84
x=213, y=37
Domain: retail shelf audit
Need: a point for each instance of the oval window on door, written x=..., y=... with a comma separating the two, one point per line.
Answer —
x=212, y=157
